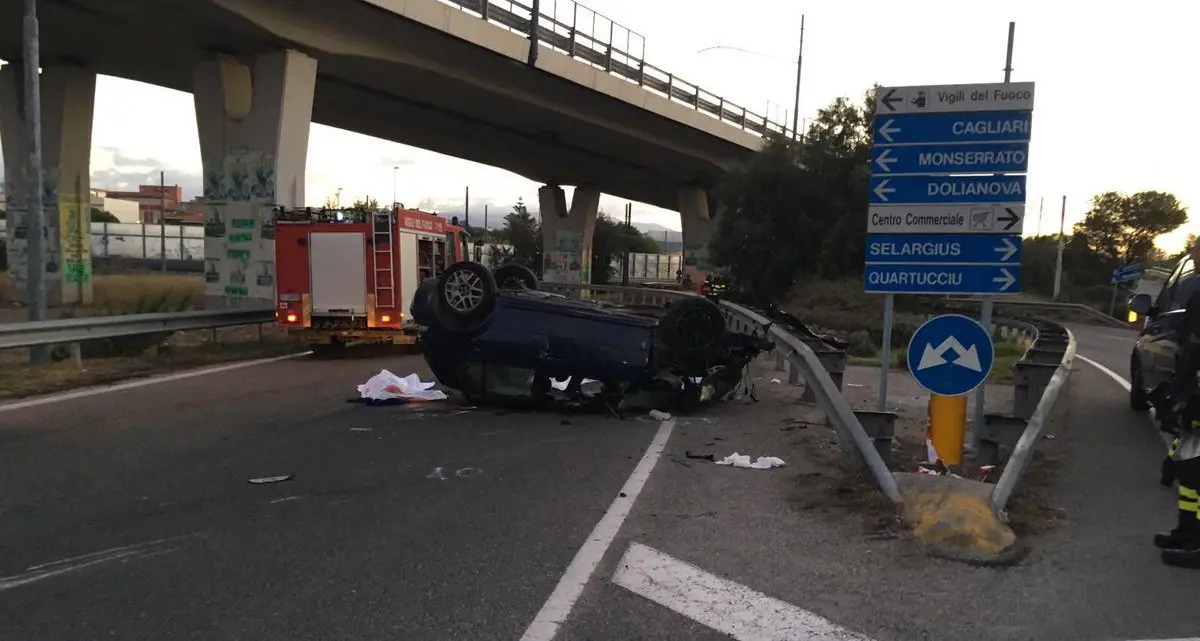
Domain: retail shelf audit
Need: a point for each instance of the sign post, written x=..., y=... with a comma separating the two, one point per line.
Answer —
x=1123, y=274
x=947, y=195
x=950, y=355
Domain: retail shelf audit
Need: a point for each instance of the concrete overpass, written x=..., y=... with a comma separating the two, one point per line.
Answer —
x=460, y=77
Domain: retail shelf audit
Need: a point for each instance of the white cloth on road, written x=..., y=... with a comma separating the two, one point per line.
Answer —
x=386, y=386
x=743, y=460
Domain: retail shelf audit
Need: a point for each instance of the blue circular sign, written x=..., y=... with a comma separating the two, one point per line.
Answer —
x=950, y=355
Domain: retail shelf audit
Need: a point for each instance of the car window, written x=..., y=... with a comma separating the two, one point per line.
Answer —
x=1180, y=288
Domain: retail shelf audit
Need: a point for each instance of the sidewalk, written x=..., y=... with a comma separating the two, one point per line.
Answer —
x=800, y=535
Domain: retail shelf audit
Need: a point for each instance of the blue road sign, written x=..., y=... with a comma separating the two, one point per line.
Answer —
x=925, y=129
x=991, y=158
x=942, y=279
x=944, y=190
x=1132, y=271
x=950, y=355
x=933, y=249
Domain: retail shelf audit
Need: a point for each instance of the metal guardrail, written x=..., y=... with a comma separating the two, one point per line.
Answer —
x=828, y=396
x=1028, y=306
x=585, y=35
x=74, y=330
x=1051, y=339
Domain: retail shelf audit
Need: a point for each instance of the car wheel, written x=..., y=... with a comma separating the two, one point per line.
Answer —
x=513, y=276
x=1137, y=388
x=692, y=325
x=466, y=291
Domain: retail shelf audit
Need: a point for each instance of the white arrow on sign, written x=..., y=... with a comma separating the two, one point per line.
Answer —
x=882, y=190
x=727, y=607
x=1008, y=249
x=887, y=130
x=968, y=357
x=885, y=160
x=1006, y=278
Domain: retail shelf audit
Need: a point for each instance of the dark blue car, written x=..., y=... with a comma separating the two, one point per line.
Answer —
x=495, y=337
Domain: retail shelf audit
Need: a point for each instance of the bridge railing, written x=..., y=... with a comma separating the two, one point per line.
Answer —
x=585, y=35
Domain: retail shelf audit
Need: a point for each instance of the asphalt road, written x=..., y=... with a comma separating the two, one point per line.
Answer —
x=130, y=515
x=1109, y=346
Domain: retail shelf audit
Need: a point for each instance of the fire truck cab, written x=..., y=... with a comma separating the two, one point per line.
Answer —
x=349, y=275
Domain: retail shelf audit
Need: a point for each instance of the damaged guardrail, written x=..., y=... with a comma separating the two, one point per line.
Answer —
x=1039, y=379
x=802, y=361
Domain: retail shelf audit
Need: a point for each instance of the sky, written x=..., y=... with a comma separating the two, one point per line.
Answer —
x=1109, y=79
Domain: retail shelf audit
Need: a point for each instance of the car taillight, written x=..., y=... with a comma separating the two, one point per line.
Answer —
x=291, y=318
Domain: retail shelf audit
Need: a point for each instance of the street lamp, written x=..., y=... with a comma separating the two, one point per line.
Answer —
x=799, y=62
x=339, y=197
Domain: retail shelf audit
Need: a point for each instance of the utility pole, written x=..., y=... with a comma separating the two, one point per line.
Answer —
x=1062, y=224
x=467, y=210
x=485, y=221
x=35, y=279
x=799, y=67
x=628, y=241
x=1041, y=207
x=162, y=219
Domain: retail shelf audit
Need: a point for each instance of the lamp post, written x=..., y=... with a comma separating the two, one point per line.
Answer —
x=799, y=62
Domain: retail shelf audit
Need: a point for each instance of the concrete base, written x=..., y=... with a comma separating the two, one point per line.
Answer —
x=953, y=519
x=253, y=121
x=68, y=95
x=567, y=233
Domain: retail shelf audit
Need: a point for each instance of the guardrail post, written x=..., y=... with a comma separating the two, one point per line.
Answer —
x=720, y=107
x=1029, y=381
x=670, y=85
x=881, y=428
x=998, y=430
x=483, y=9
x=641, y=73
x=75, y=352
x=696, y=98
x=832, y=360
x=743, y=117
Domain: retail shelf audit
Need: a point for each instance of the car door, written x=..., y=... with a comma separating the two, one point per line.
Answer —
x=1159, y=341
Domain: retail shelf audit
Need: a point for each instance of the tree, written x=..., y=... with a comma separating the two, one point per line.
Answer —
x=102, y=216
x=795, y=210
x=523, y=233
x=610, y=240
x=1123, y=228
x=369, y=204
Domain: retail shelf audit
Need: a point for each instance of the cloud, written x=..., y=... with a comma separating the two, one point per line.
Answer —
x=114, y=170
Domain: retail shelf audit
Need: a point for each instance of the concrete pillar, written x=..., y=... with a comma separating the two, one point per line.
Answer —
x=253, y=118
x=567, y=233
x=68, y=95
x=698, y=227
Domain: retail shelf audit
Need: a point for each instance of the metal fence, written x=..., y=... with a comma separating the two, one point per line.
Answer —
x=590, y=37
x=143, y=242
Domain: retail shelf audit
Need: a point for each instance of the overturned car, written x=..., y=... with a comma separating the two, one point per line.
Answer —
x=497, y=338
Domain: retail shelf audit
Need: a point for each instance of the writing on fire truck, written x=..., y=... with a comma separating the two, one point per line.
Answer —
x=349, y=275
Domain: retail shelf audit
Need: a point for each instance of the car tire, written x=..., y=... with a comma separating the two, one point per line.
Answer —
x=692, y=325
x=1137, y=388
x=513, y=276
x=466, y=296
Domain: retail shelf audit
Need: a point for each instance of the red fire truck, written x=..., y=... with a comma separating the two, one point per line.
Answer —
x=349, y=275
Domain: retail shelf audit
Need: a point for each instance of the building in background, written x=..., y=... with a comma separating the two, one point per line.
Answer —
x=153, y=200
x=126, y=211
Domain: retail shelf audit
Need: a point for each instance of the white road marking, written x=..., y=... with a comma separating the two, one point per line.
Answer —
x=721, y=604
x=141, y=382
x=1125, y=386
x=556, y=609
x=44, y=571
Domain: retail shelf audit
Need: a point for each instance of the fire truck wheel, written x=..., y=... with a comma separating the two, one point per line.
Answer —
x=513, y=276
x=692, y=325
x=466, y=292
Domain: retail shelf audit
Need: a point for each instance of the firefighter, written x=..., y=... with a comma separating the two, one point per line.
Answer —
x=1181, y=546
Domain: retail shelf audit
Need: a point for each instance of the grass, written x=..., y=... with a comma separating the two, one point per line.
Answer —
x=1007, y=353
x=109, y=360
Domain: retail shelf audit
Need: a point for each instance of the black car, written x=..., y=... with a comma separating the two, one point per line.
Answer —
x=497, y=338
x=1152, y=363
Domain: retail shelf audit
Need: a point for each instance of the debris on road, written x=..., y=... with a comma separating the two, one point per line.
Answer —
x=702, y=457
x=743, y=460
x=659, y=415
x=263, y=480
x=776, y=381
x=386, y=386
